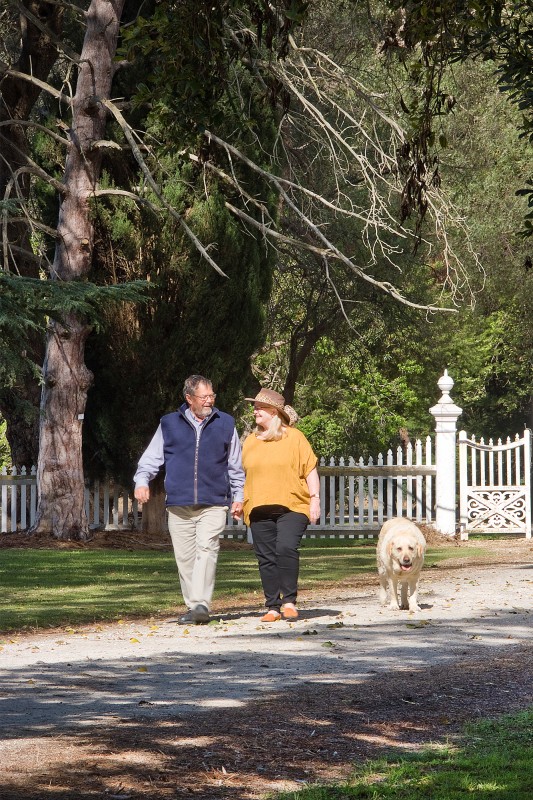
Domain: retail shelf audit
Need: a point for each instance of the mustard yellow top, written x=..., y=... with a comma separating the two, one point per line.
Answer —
x=276, y=472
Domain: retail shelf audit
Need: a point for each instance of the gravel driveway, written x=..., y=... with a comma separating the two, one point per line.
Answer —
x=66, y=684
x=77, y=678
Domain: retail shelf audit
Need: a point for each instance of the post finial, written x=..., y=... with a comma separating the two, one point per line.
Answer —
x=445, y=383
x=445, y=407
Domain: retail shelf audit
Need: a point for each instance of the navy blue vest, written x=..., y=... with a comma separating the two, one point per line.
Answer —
x=197, y=469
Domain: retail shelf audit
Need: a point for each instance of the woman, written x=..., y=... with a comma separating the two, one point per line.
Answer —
x=281, y=495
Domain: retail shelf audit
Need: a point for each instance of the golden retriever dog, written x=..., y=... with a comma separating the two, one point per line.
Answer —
x=400, y=555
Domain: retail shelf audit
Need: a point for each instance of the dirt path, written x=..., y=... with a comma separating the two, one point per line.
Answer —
x=237, y=708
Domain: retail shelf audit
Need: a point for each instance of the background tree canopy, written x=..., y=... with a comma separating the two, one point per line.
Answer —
x=285, y=190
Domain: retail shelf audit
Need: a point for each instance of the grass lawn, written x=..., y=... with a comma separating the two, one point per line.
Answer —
x=492, y=761
x=41, y=588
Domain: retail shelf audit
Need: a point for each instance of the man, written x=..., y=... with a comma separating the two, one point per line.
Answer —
x=201, y=452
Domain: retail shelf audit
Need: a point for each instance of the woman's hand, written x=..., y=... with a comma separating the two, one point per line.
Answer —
x=314, y=510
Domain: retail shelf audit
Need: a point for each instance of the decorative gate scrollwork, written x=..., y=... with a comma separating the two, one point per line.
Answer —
x=495, y=485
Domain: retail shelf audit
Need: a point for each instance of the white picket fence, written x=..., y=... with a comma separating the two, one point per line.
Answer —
x=359, y=495
x=356, y=497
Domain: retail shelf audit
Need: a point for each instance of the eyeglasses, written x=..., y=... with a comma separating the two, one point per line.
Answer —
x=204, y=397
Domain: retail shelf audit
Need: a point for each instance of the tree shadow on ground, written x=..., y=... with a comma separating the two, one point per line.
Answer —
x=284, y=734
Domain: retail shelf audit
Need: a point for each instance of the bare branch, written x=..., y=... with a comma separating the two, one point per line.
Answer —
x=30, y=124
x=41, y=261
x=33, y=169
x=61, y=46
x=37, y=224
x=275, y=234
x=46, y=87
x=155, y=188
x=343, y=128
x=329, y=248
x=233, y=182
x=125, y=193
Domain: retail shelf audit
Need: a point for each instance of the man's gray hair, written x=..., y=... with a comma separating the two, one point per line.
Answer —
x=192, y=383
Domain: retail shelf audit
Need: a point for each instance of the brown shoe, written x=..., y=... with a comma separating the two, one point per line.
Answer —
x=271, y=616
x=289, y=612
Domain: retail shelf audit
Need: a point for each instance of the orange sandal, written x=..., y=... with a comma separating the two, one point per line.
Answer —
x=289, y=612
x=271, y=616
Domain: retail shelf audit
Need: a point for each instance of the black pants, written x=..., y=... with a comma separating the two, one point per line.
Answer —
x=277, y=533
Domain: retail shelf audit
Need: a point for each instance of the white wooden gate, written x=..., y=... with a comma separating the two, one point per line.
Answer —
x=495, y=485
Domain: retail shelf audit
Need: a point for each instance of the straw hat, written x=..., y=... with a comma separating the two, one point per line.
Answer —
x=268, y=397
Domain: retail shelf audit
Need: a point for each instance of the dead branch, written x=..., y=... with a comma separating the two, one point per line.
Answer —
x=128, y=133
x=30, y=124
x=61, y=46
x=329, y=248
x=46, y=87
x=336, y=119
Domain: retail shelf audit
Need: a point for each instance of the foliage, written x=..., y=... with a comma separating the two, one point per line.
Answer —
x=442, y=32
x=369, y=379
x=358, y=379
x=185, y=72
x=191, y=52
x=490, y=346
x=5, y=453
x=364, y=404
x=196, y=322
x=26, y=305
x=494, y=375
x=360, y=386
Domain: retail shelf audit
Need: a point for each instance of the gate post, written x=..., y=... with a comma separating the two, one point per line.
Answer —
x=446, y=414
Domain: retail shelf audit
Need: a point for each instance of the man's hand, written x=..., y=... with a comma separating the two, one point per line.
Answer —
x=236, y=510
x=142, y=494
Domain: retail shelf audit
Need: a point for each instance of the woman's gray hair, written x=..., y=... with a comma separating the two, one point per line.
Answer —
x=192, y=383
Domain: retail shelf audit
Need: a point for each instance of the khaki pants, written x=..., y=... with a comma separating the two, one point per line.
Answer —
x=195, y=532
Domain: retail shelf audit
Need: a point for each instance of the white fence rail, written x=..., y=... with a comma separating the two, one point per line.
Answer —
x=495, y=485
x=356, y=497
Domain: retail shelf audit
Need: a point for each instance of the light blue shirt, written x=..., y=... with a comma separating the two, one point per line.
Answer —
x=153, y=459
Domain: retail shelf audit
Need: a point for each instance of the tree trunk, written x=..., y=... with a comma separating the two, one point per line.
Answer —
x=60, y=482
x=301, y=346
x=154, y=513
